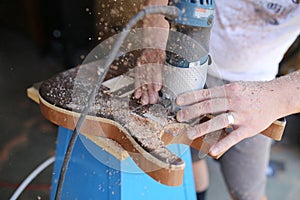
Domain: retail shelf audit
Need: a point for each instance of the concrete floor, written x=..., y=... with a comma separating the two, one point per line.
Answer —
x=27, y=139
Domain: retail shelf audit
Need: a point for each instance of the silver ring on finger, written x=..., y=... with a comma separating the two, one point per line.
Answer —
x=230, y=119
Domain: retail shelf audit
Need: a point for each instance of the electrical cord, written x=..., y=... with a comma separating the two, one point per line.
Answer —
x=32, y=176
x=170, y=12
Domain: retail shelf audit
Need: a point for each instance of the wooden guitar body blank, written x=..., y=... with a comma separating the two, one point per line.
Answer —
x=143, y=131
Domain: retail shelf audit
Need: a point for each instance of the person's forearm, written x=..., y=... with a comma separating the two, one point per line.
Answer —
x=288, y=91
x=155, y=20
x=155, y=32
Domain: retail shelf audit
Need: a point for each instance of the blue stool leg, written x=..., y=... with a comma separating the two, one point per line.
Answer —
x=88, y=178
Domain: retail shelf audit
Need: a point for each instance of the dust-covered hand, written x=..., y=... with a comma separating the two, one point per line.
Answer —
x=249, y=106
x=148, y=75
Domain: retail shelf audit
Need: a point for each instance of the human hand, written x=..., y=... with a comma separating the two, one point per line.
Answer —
x=148, y=76
x=251, y=104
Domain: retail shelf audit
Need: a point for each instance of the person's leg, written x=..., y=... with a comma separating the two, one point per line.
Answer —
x=201, y=175
x=201, y=178
x=200, y=170
x=244, y=168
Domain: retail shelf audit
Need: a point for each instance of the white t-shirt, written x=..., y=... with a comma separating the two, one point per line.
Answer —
x=250, y=37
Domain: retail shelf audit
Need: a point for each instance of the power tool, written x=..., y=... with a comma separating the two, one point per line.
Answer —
x=187, y=55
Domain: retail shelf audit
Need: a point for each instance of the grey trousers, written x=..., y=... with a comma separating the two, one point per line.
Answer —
x=244, y=165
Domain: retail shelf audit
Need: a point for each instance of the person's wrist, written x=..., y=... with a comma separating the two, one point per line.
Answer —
x=282, y=95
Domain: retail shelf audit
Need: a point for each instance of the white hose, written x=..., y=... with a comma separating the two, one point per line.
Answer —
x=32, y=176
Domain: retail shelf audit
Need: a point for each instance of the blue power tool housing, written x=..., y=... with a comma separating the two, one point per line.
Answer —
x=197, y=13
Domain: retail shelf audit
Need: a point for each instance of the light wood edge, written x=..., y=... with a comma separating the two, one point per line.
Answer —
x=109, y=146
x=33, y=94
x=275, y=130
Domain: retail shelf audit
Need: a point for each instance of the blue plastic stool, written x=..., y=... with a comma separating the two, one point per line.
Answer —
x=88, y=178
